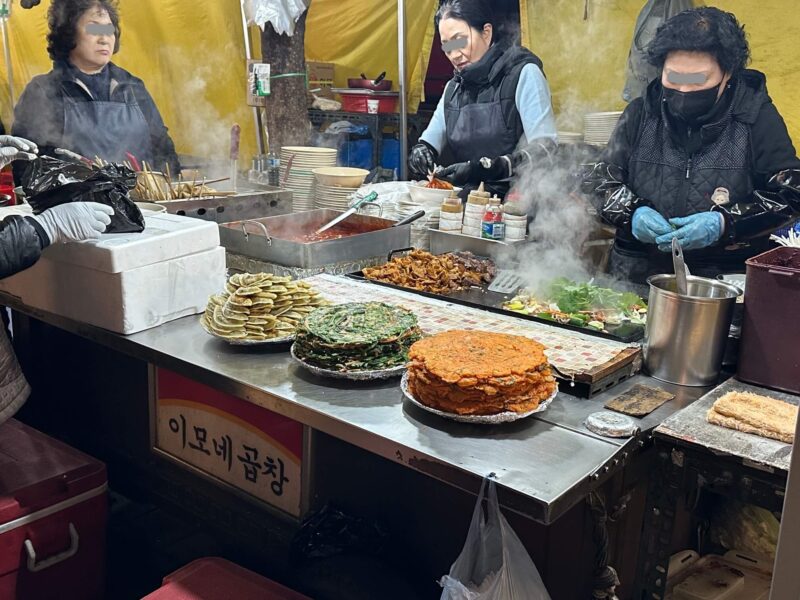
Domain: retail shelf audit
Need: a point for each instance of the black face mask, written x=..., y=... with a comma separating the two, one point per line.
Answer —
x=690, y=106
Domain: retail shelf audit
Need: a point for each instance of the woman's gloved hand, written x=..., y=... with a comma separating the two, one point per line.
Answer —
x=16, y=148
x=483, y=170
x=648, y=224
x=422, y=160
x=75, y=222
x=694, y=232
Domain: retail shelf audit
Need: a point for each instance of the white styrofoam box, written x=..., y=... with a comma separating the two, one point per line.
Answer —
x=165, y=237
x=125, y=302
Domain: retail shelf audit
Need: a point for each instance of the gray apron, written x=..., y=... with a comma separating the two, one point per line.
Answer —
x=107, y=129
x=480, y=130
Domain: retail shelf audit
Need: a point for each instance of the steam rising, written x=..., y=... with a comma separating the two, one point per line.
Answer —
x=561, y=224
x=201, y=130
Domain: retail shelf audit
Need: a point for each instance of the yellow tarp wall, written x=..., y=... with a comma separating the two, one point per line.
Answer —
x=190, y=55
x=361, y=37
x=585, y=60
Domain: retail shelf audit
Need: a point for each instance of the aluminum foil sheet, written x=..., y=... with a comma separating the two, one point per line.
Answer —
x=241, y=342
x=238, y=263
x=504, y=417
x=351, y=375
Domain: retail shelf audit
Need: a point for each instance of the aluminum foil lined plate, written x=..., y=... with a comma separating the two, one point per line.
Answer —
x=503, y=417
x=245, y=342
x=350, y=375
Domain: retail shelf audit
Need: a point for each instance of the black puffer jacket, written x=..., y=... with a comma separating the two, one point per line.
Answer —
x=654, y=160
x=22, y=240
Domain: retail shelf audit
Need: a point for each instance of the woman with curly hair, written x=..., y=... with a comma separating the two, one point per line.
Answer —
x=87, y=104
x=703, y=157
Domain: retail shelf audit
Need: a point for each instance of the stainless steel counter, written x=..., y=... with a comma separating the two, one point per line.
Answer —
x=691, y=427
x=545, y=464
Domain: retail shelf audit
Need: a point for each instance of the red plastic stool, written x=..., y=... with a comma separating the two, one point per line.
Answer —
x=219, y=579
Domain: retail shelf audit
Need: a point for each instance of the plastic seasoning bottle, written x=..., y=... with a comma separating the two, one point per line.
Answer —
x=452, y=213
x=492, y=226
x=473, y=212
x=273, y=168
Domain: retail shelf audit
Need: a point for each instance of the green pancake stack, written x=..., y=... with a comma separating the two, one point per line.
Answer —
x=369, y=336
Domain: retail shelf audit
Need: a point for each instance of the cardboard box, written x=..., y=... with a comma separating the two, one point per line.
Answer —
x=319, y=72
x=320, y=77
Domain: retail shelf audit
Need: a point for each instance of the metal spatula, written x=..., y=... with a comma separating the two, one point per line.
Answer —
x=505, y=282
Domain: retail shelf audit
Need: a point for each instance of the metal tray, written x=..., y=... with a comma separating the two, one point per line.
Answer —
x=255, y=238
x=350, y=375
x=482, y=298
x=504, y=417
x=443, y=242
x=252, y=202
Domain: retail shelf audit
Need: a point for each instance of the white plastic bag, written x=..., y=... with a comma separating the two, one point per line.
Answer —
x=494, y=564
x=283, y=14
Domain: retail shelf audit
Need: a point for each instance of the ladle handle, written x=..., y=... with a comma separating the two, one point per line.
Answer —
x=680, y=267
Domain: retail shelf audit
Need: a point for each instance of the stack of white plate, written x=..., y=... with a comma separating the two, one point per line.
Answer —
x=420, y=238
x=598, y=127
x=335, y=198
x=569, y=137
x=303, y=160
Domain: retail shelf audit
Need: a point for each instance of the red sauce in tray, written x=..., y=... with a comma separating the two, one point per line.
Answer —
x=336, y=232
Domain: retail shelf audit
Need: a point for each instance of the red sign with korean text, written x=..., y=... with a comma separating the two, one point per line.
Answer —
x=244, y=445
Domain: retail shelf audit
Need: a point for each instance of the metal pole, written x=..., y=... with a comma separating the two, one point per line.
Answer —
x=248, y=52
x=785, y=582
x=7, y=51
x=401, y=59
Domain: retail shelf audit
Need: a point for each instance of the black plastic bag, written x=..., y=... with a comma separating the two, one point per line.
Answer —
x=49, y=182
x=331, y=532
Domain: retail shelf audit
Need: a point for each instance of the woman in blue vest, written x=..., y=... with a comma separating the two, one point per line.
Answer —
x=87, y=104
x=495, y=115
x=703, y=157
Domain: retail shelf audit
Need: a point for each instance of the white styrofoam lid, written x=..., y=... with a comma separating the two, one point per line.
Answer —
x=718, y=582
x=166, y=236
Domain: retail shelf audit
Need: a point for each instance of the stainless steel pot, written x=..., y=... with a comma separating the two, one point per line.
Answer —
x=685, y=335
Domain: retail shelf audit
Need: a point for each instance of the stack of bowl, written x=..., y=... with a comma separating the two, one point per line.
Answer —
x=423, y=198
x=300, y=161
x=335, y=185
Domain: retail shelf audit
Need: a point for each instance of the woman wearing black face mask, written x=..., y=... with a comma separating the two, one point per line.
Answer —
x=703, y=157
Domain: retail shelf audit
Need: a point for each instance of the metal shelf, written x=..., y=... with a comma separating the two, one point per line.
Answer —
x=376, y=123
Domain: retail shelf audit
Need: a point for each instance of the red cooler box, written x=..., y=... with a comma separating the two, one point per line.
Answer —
x=53, y=511
x=218, y=579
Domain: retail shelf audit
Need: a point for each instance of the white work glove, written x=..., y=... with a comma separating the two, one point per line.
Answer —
x=16, y=148
x=75, y=222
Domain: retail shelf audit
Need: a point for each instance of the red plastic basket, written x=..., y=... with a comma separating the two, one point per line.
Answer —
x=358, y=103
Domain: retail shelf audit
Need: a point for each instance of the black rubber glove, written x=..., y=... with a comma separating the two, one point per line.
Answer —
x=614, y=200
x=477, y=171
x=422, y=159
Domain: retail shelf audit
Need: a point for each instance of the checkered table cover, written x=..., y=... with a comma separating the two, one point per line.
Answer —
x=570, y=352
